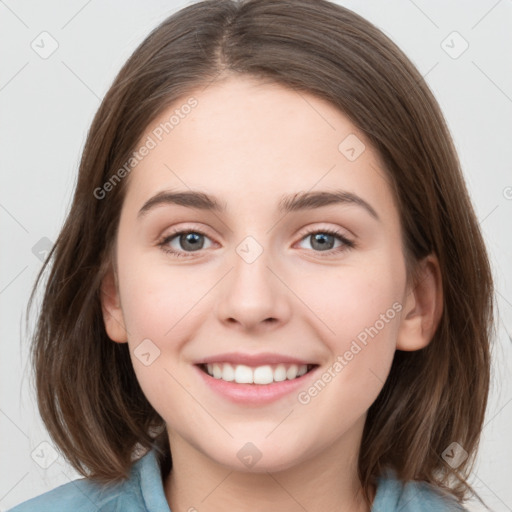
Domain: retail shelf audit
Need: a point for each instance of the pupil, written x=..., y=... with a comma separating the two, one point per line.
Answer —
x=323, y=239
x=191, y=238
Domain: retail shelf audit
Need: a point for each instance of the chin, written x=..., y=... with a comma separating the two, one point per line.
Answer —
x=260, y=457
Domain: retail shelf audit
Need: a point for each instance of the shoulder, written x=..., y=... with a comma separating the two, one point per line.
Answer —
x=412, y=496
x=79, y=496
x=84, y=495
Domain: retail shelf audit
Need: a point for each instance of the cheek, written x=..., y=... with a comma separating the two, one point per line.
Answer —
x=359, y=309
x=156, y=311
x=154, y=299
x=350, y=299
x=365, y=322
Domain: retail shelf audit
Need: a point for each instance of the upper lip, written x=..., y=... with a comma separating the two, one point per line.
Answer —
x=253, y=359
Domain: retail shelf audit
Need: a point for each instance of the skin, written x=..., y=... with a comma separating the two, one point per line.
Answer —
x=248, y=143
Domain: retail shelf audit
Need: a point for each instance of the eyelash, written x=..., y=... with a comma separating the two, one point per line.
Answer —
x=347, y=244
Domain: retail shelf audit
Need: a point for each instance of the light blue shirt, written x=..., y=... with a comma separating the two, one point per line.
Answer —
x=144, y=492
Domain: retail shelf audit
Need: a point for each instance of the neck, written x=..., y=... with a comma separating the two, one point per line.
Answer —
x=326, y=481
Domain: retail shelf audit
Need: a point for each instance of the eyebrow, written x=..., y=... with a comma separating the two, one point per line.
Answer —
x=299, y=201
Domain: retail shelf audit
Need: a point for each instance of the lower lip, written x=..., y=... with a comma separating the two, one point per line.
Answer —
x=255, y=394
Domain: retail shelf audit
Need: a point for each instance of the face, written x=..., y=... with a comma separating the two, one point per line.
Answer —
x=320, y=282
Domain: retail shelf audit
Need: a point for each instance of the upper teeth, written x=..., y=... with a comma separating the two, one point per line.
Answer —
x=242, y=374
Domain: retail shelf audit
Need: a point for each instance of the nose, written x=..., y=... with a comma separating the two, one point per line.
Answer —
x=253, y=296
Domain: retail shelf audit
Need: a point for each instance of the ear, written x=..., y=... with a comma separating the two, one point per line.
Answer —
x=423, y=307
x=111, y=309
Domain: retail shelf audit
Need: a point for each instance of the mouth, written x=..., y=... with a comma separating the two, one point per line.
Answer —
x=256, y=375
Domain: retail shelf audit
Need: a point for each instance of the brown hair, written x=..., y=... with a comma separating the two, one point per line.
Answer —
x=88, y=394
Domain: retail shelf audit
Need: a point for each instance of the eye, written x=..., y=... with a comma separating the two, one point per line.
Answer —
x=322, y=240
x=184, y=241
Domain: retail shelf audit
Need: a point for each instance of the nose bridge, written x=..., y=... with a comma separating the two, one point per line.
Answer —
x=252, y=280
x=252, y=293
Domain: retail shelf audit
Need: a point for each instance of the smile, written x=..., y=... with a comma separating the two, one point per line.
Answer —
x=265, y=374
x=255, y=386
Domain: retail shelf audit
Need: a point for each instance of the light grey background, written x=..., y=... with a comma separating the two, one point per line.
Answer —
x=47, y=105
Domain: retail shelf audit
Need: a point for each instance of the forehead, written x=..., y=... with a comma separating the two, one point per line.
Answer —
x=243, y=139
